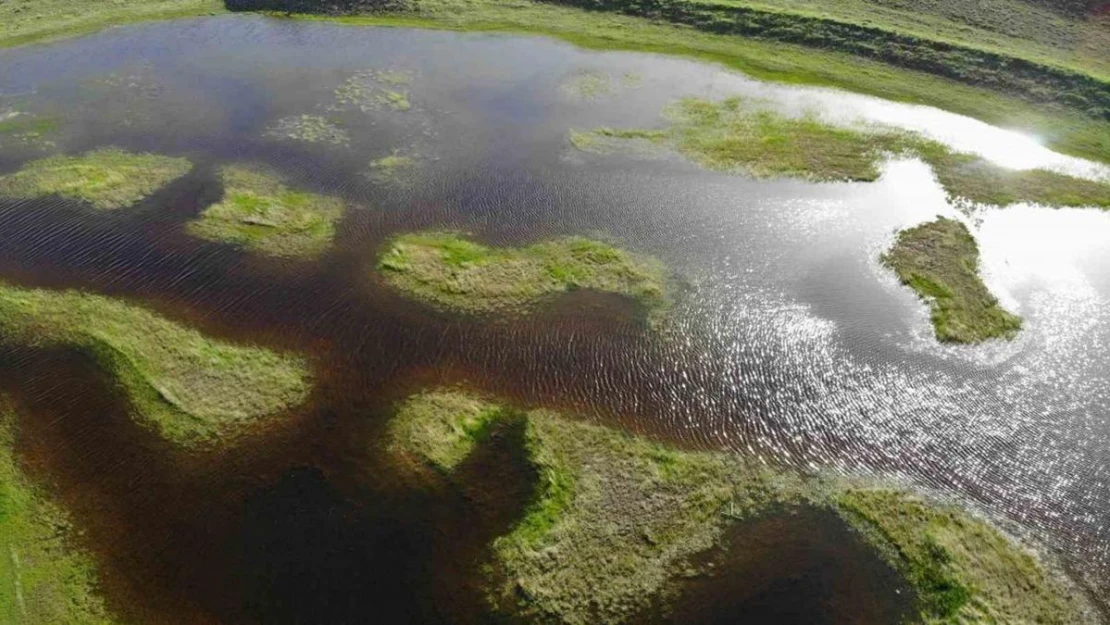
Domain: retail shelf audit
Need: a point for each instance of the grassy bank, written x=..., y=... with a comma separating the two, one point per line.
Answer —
x=44, y=579
x=191, y=389
x=27, y=21
x=260, y=213
x=106, y=178
x=1061, y=127
x=1010, y=71
x=449, y=271
x=739, y=136
x=617, y=518
x=939, y=260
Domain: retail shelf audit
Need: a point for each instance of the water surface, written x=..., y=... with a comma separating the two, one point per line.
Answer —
x=793, y=343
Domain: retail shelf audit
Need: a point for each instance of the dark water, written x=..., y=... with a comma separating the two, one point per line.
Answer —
x=794, y=344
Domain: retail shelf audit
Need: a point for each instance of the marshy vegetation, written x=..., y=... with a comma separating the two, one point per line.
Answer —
x=44, y=578
x=398, y=169
x=739, y=136
x=375, y=90
x=191, y=389
x=616, y=519
x=450, y=271
x=260, y=213
x=310, y=129
x=963, y=569
x=106, y=178
x=939, y=260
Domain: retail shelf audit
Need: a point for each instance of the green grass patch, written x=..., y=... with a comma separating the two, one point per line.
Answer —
x=310, y=129
x=191, y=389
x=44, y=579
x=940, y=261
x=964, y=570
x=441, y=428
x=616, y=519
x=260, y=213
x=27, y=21
x=614, y=516
x=739, y=136
x=106, y=178
x=450, y=271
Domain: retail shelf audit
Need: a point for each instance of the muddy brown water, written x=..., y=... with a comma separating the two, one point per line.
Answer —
x=792, y=343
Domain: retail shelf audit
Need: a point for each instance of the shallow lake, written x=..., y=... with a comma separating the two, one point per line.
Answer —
x=793, y=343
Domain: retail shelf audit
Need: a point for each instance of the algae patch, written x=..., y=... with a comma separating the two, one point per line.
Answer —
x=260, y=213
x=44, y=579
x=106, y=178
x=310, y=129
x=448, y=270
x=192, y=389
x=375, y=90
x=27, y=130
x=939, y=260
x=399, y=169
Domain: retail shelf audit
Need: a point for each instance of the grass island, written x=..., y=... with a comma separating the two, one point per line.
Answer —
x=449, y=271
x=939, y=260
x=616, y=518
x=259, y=212
x=106, y=178
x=193, y=390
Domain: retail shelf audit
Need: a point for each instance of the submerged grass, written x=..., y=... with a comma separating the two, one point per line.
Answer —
x=191, y=389
x=310, y=129
x=260, y=213
x=616, y=519
x=448, y=270
x=939, y=260
x=738, y=136
x=44, y=580
x=106, y=178
x=398, y=169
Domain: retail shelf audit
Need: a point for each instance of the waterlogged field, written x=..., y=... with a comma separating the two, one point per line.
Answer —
x=305, y=323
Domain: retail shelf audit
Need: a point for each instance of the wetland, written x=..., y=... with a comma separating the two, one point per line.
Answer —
x=302, y=322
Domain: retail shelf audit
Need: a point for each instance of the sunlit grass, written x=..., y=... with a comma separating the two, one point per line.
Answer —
x=744, y=137
x=259, y=212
